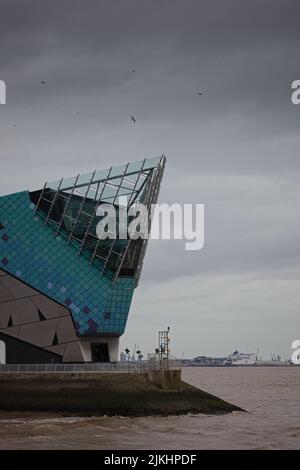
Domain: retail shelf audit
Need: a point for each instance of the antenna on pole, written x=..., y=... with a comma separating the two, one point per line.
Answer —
x=164, y=347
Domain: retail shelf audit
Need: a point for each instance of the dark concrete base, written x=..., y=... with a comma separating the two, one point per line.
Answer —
x=166, y=379
x=103, y=394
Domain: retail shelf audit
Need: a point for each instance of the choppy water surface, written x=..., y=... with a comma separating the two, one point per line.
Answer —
x=270, y=394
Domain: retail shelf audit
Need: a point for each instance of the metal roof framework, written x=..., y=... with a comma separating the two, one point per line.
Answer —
x=138, y=181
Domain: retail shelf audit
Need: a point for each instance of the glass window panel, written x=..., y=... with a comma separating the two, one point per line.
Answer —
x=114, y=182
x=131, y=179
x=109, y=192
x=135, y=166
x=124, y=192
x=53, y=184
x=140, y=183
x=117, y=171
x=84, y=179
x=101, y=175
x=151, y=163
x=68, y=182
x=91, y=194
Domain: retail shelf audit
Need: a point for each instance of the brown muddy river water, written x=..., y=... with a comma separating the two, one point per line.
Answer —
x=271, y=395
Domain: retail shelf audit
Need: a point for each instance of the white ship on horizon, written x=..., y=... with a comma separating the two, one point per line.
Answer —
x=240, y=359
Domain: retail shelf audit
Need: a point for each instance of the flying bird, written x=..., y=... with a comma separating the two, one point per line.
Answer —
x=133, y=119
x=133, y=70
x=199, y=93
x=43, y=83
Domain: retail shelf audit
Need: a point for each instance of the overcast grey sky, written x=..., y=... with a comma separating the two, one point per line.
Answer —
x=235, y=149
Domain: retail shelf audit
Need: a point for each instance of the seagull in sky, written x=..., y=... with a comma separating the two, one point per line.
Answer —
x=133, y=119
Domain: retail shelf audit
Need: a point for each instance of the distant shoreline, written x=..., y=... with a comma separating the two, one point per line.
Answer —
x=239, y=365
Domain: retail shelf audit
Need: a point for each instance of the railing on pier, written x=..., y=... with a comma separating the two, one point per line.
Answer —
x=108, y=367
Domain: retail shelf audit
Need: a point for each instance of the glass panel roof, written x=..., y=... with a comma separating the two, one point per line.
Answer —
x=85, y=179
x=151, y=163
x=115, y=172
x=70, y=206
x=135, y=166
x=54, y=184
x=101, y=175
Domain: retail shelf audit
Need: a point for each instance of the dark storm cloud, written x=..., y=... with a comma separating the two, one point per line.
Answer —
x=235, y=149
x=138, y=20
x=243, y=55
x=162, y=37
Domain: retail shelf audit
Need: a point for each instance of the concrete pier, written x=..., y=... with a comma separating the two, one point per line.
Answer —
x=166, y=379
x=150, y=393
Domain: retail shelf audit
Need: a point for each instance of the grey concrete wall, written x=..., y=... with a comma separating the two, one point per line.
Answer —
x=165, y=379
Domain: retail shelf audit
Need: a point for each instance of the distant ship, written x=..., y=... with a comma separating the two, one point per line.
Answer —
x=240, y=359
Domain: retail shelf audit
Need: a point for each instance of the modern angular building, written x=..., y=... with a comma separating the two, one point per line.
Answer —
x=65, y=294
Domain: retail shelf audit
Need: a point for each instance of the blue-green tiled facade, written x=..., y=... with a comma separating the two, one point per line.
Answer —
x=30, y=251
